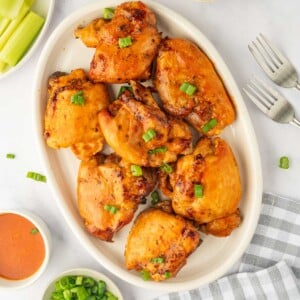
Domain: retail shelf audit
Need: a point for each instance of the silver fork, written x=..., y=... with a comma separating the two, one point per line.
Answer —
x=270, y=102
x=274, y=63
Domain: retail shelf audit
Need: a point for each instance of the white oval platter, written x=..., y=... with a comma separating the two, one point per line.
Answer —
x=215, y=256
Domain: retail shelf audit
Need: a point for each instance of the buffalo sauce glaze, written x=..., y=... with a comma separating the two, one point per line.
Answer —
x=22, y=248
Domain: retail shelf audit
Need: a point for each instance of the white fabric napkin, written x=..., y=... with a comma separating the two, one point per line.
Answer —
x=270, y=267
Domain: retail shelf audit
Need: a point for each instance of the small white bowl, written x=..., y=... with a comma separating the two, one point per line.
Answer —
x=44, y=8
x=45, y=233
x=111, y=287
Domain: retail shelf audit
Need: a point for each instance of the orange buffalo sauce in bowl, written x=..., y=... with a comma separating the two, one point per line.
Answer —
x=24, y=248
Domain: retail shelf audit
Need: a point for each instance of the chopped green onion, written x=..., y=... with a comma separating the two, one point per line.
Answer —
x=111, y=208
x=166, y=168
x=110, y=296
x=124, y=88
x=158, y=150
x=101, y=288
x=157, y=260
x=125, y=42
x=86, y=288
x=36, y=176
x=198, y=190
x=284, y=162
x=145, y=275
x=209, y=125
x=34, y=231
x=188, y=88
x=149, y=135
x=167, y=274
x=10, y=156
x=78, y=98
x=154, y=197
x=108, y=13
x=136, y=170
x=79, y=280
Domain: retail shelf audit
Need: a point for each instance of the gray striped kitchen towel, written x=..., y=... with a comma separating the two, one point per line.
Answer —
x=270, y=267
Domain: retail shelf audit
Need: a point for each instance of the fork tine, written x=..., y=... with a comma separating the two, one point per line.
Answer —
x=255, y=100
x=276, y=52
x=259, y=95
x=264, y=91
x=260, y=60
x=269, y=53
x=272, y=92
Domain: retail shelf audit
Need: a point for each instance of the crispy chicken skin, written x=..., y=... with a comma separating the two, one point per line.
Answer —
x=212, y=165
x=113, y=64
x=180, y=61
x=71, y=125
x=106, y=181
x=125, y=121
x=157, y=235
x=89, y=34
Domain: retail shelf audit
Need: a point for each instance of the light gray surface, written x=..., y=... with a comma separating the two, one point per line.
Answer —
x=230, y=25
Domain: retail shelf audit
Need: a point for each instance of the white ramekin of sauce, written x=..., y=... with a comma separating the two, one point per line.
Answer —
x=24, y=248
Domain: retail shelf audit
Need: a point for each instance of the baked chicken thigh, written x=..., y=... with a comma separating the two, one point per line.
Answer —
x=125, y=46
x=108, y=193
x=190, y=87
x=159, y=244
x=71, y=118
x=140, y=132
x=205, y=187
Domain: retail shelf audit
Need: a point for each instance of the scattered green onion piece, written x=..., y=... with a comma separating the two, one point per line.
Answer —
x=101, y=287
x=166, y=168
x=188, y=88
x=157, y=260
x=284, y=162
x=125, y=42
x=209, y=125
x=154, y=198
x=78, y=98
x=145, y=275
x=34, y=231
x=167, y=274
x=158, y=150
x=111, y=208
x=149, y=135
x=10, y=156
x=198, y=190
x=36, y=176
x=124, y=88
x=136, y=170
x=67, y=294
x=108, y=13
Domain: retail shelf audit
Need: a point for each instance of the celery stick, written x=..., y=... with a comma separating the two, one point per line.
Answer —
x=13, y=26
x=22, y=38
x=3, y=66
x=10, y=8
x=3, y=24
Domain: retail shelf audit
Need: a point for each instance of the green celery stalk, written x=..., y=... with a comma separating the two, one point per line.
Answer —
x=13, y=25
x=3, y=66
x=3, y=24
x=22, y=38
x=10, y=8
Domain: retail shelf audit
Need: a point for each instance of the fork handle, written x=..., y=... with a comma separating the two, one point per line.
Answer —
x=295, y=122
x=298, y=85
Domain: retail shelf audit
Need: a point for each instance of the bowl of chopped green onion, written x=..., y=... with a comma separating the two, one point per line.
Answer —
x=82, y=284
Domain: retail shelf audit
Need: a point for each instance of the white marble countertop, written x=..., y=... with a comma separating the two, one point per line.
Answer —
x=230, y=25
